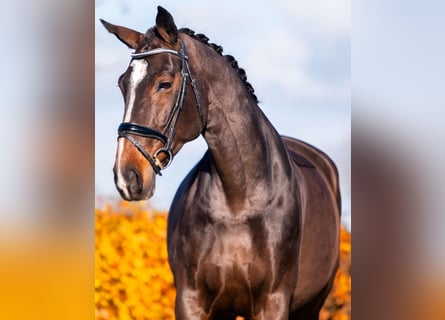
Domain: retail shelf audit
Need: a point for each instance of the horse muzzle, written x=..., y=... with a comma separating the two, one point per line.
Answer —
x=131, y=183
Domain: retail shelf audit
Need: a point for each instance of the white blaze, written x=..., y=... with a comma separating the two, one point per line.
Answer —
x=138, y=73
x=120, y=179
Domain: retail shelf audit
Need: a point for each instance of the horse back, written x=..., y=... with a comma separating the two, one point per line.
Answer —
x=318, y=178
x=307, y=155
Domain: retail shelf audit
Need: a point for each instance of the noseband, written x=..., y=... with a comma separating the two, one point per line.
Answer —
x=127, y=129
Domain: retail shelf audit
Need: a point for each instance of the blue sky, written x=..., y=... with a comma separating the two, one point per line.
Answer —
x=296, y=55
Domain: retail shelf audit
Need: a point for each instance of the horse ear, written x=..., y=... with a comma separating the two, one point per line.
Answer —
x=128, y=36
x=165, y=25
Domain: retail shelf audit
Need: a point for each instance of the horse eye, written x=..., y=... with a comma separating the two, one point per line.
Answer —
x=165, y=85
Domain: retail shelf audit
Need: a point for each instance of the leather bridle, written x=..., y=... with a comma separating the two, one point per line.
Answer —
x=128, y=129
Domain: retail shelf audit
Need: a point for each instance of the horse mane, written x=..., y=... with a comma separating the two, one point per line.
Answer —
x=230, y=59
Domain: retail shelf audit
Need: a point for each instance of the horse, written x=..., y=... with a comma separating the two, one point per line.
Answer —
x=253, y=229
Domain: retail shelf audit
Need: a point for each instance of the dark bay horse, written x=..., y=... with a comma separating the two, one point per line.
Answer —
x=254, y=227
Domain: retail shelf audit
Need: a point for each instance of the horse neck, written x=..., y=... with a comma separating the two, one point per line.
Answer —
x=246, y=151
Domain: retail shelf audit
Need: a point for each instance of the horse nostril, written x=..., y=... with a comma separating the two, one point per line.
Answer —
x=134, y=182
x=129, y=182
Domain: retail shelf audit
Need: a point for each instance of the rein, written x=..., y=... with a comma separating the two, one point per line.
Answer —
x=126, y=129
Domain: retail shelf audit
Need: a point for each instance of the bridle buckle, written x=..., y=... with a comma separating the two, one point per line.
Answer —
x=158, y=162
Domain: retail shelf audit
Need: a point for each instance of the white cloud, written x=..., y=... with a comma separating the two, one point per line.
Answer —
x=321, y=16
x=278, y=65
x=280, y=59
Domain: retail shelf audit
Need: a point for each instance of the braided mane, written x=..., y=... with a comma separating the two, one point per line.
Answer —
x=230, y=59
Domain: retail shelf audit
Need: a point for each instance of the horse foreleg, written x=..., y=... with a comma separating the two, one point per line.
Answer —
x=275, y=306
x=188, y=306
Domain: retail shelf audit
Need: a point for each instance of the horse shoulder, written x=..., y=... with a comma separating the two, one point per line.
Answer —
x=178, y=204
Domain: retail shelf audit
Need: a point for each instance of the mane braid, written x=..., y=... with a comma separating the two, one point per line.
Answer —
x=230, y=59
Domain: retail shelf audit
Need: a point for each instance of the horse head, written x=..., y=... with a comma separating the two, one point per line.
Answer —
x=163, y=108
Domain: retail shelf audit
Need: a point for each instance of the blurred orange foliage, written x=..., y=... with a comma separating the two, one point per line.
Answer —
x=338, y=304
x=133, y=279
x=132, y=276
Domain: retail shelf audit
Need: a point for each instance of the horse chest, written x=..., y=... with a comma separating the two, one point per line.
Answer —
x=232, y=246
x=233, y=264
x=230, y=256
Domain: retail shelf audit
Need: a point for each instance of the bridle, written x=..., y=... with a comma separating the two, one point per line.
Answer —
x=127, y=129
